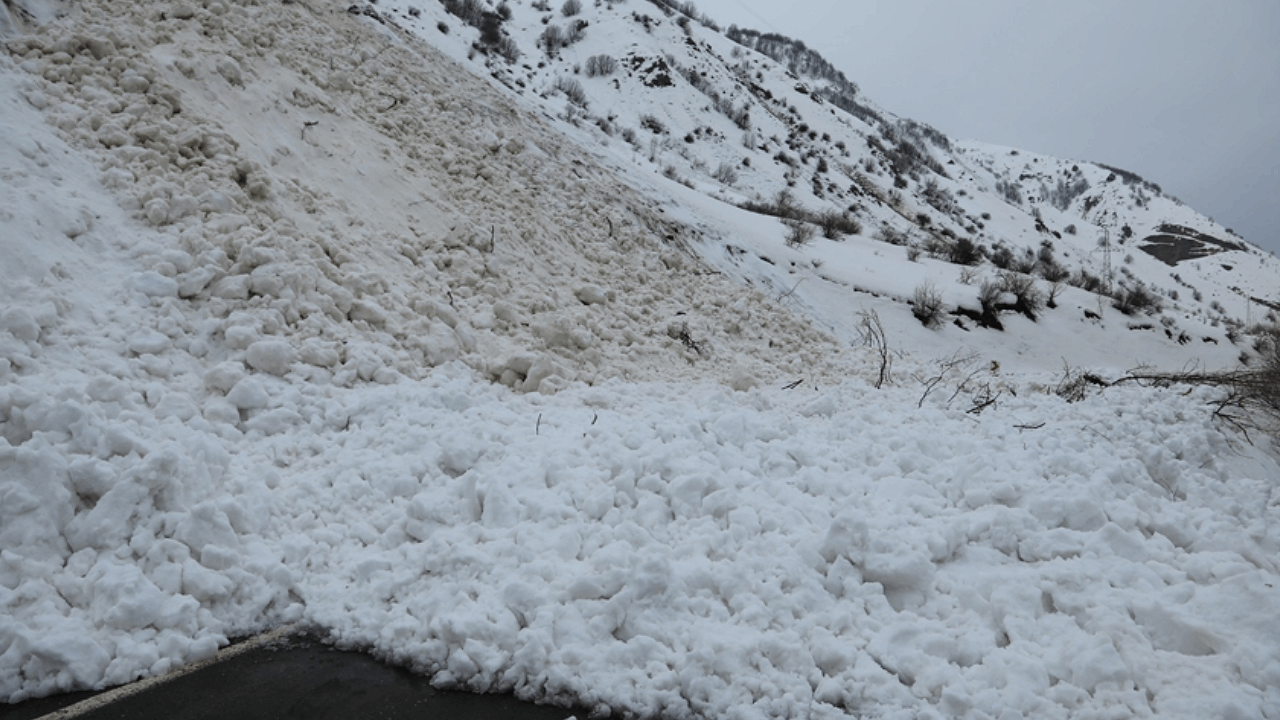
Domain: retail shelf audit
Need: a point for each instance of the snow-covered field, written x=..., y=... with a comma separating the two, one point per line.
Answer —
x=301, y=321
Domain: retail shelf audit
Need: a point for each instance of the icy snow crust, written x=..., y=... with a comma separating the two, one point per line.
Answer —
x=300, y=321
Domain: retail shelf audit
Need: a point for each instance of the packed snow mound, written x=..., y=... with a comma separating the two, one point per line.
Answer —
x=301, y=321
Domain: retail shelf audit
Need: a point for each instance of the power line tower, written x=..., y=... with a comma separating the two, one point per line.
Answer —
x=1106, y=248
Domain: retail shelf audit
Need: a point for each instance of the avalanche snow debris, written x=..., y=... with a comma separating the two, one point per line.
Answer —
x=262, y=375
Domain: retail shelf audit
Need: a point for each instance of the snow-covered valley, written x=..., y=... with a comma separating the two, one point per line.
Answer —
x=312, y=312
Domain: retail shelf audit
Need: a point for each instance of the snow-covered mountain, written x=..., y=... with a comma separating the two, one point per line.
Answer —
x=742, y=116
x=590, y=352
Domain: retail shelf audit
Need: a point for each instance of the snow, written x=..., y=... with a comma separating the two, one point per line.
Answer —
x=446, y=385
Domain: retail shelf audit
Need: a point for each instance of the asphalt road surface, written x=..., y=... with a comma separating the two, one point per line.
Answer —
x=290, y=676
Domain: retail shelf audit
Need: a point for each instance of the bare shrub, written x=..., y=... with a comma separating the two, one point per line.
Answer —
x=571, y=8
x=785, y=205
x=1086, y=281
x=1250, y=396
x=799, y=233
x=989, y=296
x=1053, y=271
x=939, y=197
x=1136, y=299
x=836, y=225
x=964, y=252
x=469, y=11
x=1074, y=385
x=1023, y=287
x=872, y=332
x=926, y=304
x=892, y=235
x=725, y=174
x=572, y=90
x=552, y=39
x=601, y=66
x=1055, y=289
x=1002, y=257
x=652, y=124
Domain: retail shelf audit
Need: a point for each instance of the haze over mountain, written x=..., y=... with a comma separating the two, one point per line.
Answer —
x=1179, y=92
x=594, y=354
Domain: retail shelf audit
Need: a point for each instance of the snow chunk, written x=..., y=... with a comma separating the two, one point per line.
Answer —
x=239, y=337
x=368, y=312
x=20, y=324
x=35, y=501
x=206, y=525
x=591, y=295
x=224, y=376
x=73, y=652
x=248, y=394
x=154, y=284
x=149, y=342
x=230, y=70
x=271, y=356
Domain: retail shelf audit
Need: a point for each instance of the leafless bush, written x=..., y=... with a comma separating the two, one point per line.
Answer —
x=926, y=304
x=954, y=368
x=785, y=205
x=1055, y=289
x=1074, y=385
x=873, y=336
x=507, y=49
x=572, y=90
x=726, y=174
x=601, y=65
x=1029, y=299
x=552, y=39
x=799, y=232
x=892, y=235
x=469, y=11
x=964, y=252
x=571, y=8
x=1250, y=397
x=1136, y=299
x=836, y=225
x=652, y=124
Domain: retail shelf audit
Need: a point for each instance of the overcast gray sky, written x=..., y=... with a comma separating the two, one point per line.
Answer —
x=1185, y=93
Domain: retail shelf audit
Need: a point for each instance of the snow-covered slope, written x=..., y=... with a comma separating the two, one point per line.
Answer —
x=302, y=319
x=653, y=90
